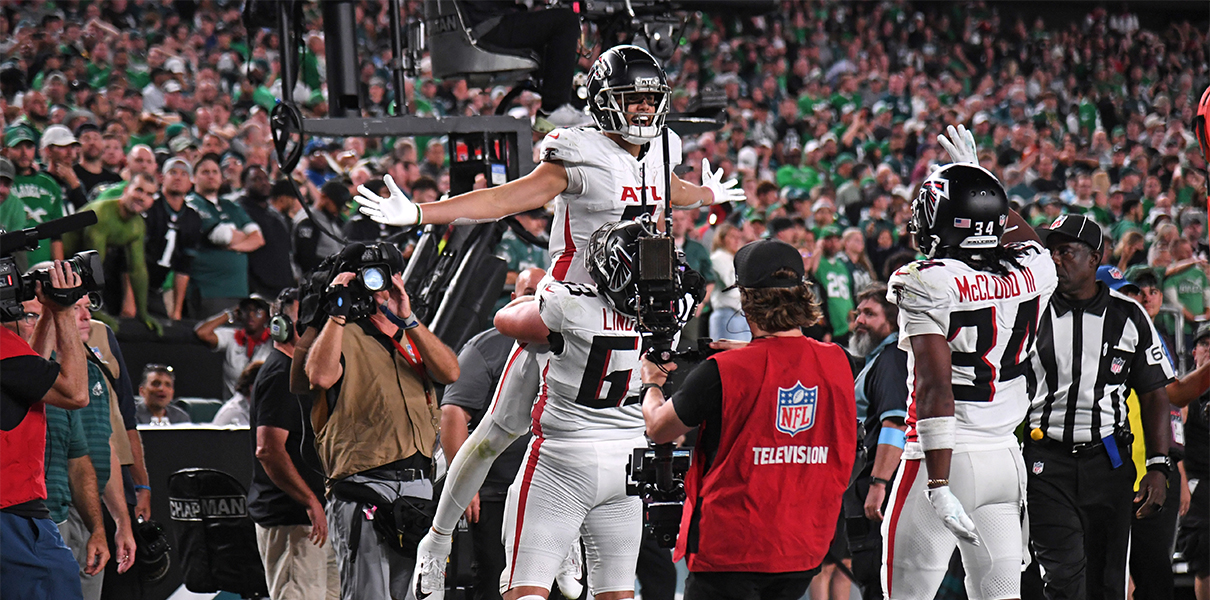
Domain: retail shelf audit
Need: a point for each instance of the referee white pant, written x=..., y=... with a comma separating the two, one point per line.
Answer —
x=917, y=548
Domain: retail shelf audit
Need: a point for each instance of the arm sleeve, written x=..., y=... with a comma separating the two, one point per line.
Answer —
x=77, y=444
x=473, y=389
x=1150, y=369
x=700, y=397
x=550, y=305
x=560, y=146
x=275, y=405
x=886, y=384
x=226, y=337
x=125, y=386
x=251, y=227
x=916, y=289
x=37, y=377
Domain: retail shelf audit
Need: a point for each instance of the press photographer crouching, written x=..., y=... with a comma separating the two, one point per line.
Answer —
x=375, y=418
x=776, y=444
x=33, y=559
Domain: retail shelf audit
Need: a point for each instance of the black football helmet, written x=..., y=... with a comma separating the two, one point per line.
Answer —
x=613, y=254
x=959, y=206
x=620, y=72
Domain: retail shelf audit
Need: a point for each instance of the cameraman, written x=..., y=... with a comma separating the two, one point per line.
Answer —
x=751, y=472
x=34, y=563
x=376, y=421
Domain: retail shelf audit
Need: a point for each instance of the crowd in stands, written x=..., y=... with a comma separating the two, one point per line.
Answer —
x=832, y=112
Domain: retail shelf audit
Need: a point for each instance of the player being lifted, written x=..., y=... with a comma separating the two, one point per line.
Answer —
x=968, y=317
x=595, y=176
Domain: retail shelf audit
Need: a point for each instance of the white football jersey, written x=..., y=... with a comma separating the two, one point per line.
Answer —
x=590, y=377
x=991, y=323
x=605, y=184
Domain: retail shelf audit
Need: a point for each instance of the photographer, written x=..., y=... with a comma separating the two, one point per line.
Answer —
x=751, y=471
x=376, y=418
x=33, y=559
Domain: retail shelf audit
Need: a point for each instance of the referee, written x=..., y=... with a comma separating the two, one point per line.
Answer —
x=1094, y=346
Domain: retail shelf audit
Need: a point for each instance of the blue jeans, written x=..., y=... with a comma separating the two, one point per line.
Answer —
x=34, y=563
x=729, y=324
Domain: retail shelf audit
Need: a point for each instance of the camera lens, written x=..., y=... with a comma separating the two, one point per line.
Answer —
x=374, y=279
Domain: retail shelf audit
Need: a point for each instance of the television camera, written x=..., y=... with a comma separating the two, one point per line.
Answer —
x=16, y=287
x=657, y=475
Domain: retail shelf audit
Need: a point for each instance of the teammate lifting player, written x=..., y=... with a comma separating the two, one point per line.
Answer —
x=596, y=176
x=968, y=318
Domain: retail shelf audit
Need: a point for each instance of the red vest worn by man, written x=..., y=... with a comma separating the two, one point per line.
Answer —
x=23, y=449
x=770, y=500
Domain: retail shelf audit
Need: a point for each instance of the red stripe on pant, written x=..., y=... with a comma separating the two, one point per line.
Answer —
x=910, y=469
x=530, y=466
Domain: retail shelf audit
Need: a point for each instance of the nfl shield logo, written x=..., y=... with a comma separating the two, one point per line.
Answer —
x=796, y=408
x=1116, y=366
x=1038, y=468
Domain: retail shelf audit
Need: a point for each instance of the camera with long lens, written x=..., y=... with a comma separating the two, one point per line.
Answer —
x=16, y=287
x=668, y=293
x=374, y=265
x=657, y=475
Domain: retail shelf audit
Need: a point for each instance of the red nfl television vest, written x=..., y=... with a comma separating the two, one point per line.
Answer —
x=788, y=438
x=23, y=449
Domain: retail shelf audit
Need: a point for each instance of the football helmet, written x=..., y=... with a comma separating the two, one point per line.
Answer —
x=618, y=75
x=1200, y=122
x=958, y=206
x=613, y=254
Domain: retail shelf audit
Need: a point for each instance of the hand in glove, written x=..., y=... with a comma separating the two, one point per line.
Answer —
x=947, y=506
x=395, y=209
x=723, y=191
x=960, y=145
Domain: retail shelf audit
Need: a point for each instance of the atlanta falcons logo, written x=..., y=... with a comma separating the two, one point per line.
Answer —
x=931, y=193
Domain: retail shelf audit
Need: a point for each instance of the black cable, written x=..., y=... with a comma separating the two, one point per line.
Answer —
x=284, y=119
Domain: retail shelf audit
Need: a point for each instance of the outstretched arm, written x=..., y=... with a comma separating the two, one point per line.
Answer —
x=532, y=191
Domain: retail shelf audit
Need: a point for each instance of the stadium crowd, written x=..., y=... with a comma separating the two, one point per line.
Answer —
x=155, y=114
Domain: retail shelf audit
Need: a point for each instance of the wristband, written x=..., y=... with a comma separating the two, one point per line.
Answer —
x=138, y=487
x=936, y=433
x=411, y=322
x=880, y=481
x=892, y=437
x=419, y=215
x=647, y=386
x=938, y=483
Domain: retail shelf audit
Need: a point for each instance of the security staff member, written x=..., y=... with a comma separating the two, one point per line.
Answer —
x=777, y=441
x=376, y=425
x=881, y=393
x=34, y=563
x=1094, y=344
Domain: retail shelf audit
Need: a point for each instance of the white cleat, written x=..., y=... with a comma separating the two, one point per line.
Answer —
x=428, y=579
x=571, y=574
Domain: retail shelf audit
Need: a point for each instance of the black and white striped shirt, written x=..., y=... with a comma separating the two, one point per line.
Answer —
x=1089, y=358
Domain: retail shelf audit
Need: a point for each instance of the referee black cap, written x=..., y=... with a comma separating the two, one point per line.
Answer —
x=1076, y=227
x=757, y=262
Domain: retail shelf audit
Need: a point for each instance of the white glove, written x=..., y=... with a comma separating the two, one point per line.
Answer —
x=960, y=145
x=395, y=209
x=947, y=506
x=724, y=191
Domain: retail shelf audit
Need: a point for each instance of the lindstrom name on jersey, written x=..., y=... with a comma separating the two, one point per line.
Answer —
x=605, y=184
x=991, y=323
x=590, y=377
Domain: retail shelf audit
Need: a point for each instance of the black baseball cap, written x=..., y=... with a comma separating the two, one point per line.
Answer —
x=756, y=263
x=1077, y=227
x=1203, y=330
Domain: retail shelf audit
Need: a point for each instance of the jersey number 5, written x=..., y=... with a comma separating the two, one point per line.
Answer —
x=595, y=375
x=1025, y=332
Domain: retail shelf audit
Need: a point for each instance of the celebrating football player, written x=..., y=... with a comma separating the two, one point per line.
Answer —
x=968, y=318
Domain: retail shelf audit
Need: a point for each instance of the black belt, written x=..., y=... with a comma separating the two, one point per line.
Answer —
x=1076, y=448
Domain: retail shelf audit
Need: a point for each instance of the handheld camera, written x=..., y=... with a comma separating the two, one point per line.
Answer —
x=657, y=475
x=16, y=288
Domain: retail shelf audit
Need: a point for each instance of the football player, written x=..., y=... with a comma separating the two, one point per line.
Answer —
x=968, y=318
x=595, y=176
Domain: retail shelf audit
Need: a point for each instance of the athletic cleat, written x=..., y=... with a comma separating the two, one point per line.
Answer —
x=428, y=579
x=571, y=574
